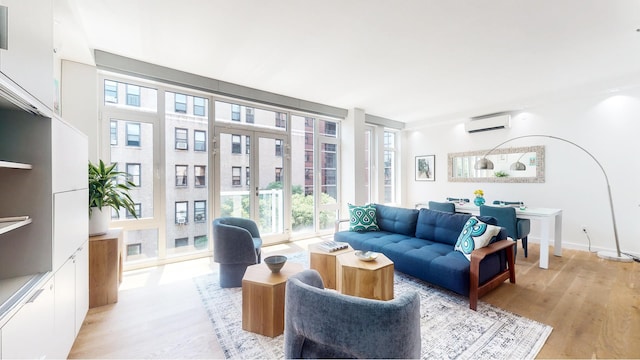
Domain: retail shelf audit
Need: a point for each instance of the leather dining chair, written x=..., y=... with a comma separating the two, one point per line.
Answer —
x=442, y=206
x=517, y=229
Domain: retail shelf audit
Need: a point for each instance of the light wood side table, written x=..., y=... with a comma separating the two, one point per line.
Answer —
x=105, y=267
x=325, y=263
x=263, y=298
x=367, y=279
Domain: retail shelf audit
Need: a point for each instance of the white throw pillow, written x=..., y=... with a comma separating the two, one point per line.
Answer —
x=475, y=235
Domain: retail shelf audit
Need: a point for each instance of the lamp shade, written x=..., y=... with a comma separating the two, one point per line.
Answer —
x=518, y=166
x=483, y=164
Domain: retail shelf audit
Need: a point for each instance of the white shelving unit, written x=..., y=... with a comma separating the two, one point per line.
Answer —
x=11, y=223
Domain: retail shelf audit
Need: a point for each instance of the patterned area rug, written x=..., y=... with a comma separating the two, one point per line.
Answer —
x=450, y=330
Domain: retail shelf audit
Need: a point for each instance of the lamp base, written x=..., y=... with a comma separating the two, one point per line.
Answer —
x=610, y=255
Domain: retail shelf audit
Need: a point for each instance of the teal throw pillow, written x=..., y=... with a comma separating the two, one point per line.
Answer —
x=362, y=218
x=475, y=235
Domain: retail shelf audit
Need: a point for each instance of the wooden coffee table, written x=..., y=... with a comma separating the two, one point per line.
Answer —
x=325, y=263
x=263, y=298
x=368, y=279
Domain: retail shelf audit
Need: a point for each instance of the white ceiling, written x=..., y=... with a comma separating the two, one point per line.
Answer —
x=407, y=60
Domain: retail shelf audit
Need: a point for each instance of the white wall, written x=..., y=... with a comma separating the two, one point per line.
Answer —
x=607, y=125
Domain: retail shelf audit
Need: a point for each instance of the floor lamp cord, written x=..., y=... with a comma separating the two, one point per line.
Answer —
x=635, y=258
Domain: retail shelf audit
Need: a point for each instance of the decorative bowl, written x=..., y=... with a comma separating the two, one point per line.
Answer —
x=275, y=262
x=366, y=255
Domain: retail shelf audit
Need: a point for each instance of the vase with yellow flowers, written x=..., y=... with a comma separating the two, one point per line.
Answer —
x=479, y=200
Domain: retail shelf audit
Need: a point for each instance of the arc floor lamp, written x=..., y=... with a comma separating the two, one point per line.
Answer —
x=485, y=163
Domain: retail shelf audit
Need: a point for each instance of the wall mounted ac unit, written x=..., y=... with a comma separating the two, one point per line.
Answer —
x=488, y=122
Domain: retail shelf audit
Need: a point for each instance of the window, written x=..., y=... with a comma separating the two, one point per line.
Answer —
x=199, y=175
x=199, y=106
x=235, y=112
x=180, y=242
x=281, y=120
x=199, y=211
x=138, y=208
x=235, y=175
x=389, y=166
x=133, y=95
x=181, y=175
x=328, y=128
x=182, y=213
x=181, y=103
x=247, y=176
x=110, y=91
x=199, y=140
x=181, y=139
x=247, y=144
x=133, y=134
x=200, y=242
x=113, y=131
x=133, y=173
x=278, y=147
x=278, y=174
x=250, y=115
x=236, y=146
x=134, y=249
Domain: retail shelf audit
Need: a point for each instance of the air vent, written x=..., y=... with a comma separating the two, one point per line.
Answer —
x=488, y=122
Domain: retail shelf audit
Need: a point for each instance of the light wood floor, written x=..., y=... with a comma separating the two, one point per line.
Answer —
x=592, y=304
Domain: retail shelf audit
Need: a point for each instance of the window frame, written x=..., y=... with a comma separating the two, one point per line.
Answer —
x=184, y=141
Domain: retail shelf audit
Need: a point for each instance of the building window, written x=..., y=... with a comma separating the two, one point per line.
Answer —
x=110, y=91
x=182, y=139
x=133, y=134
x=181, y=103
x=236, y=176
x=235, y=112
x=134, y=249
x=389, y=166
x=200, y=242
x=199, y=175
x=278, y=174
x=247, y=176
x=236, y=146
x=133, y=173
x=250, y=117
x=199, y=140
x=182, y=212
x=199, y=211
x=278, y=147
x=133, y=95
x=198, y=106
x=180, y=242
x=247, y=144
x=181, y=175
x=281, y=120
x=113, y=131
x=138, y=208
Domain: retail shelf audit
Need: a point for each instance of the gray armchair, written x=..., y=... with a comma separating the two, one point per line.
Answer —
x=236, y=245
x=322, y=323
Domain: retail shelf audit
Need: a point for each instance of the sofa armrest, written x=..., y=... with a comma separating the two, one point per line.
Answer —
x=338, y=222
x=475, y=290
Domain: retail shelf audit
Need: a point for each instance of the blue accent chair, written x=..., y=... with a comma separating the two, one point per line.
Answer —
x=442, y=206
x=236, y=245
x=322, y=324
x=517, y=229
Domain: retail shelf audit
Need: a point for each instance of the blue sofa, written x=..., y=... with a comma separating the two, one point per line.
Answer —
x=421, y=244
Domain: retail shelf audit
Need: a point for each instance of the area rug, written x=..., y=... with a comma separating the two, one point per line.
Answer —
x=450, y=330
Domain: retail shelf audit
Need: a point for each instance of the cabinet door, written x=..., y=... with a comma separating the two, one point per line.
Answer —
x=28, y=61
x=82, y=285
x=65, y=304
x=70, y=155
x=70, y=224
x=28, y=334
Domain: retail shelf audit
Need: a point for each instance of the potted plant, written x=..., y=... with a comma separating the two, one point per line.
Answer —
x=107, y=188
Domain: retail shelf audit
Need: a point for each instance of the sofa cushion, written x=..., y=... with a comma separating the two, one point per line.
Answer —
x=444, y=227
x=397, y=220
x=362, y=218
x=475, y=235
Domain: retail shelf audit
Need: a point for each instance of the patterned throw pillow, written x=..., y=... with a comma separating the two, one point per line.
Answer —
x=475, y=235
x=362, y=218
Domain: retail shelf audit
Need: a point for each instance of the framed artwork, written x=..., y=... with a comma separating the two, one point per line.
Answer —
x=426, y=168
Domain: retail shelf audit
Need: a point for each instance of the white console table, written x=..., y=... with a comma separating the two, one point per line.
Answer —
x=548, y=218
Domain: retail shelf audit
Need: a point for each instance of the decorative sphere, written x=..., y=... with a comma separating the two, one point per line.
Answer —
x=275, y=262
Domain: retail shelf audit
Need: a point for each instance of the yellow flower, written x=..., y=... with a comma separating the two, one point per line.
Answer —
x=478, y=192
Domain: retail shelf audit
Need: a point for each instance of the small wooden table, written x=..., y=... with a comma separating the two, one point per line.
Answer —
x=105, y=267
x=368, y=279
x=325, y=263
x=263, y=298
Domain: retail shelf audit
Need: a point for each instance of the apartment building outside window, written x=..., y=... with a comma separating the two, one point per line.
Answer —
x=200, y=210
x=182, y=212
x=389, y=167
x=236, y=176
x=200, y=172
x=180, y=242
x=182, y=140
x=180, y=103
x=235, y=112
x=133, y=134
x=199, y=106
x=111, y=92
x=278, y=147
x=236, y=145
x=113, y=132
x=278, y=177
x=133, y=95
x=281, y=120
x=247, y=178
x=181, y=175
x=249, y=117
x=133, y=173
x=134, y=249
x=138, y=208
x=200, y=242
x=247, y=144
x=199, y=140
